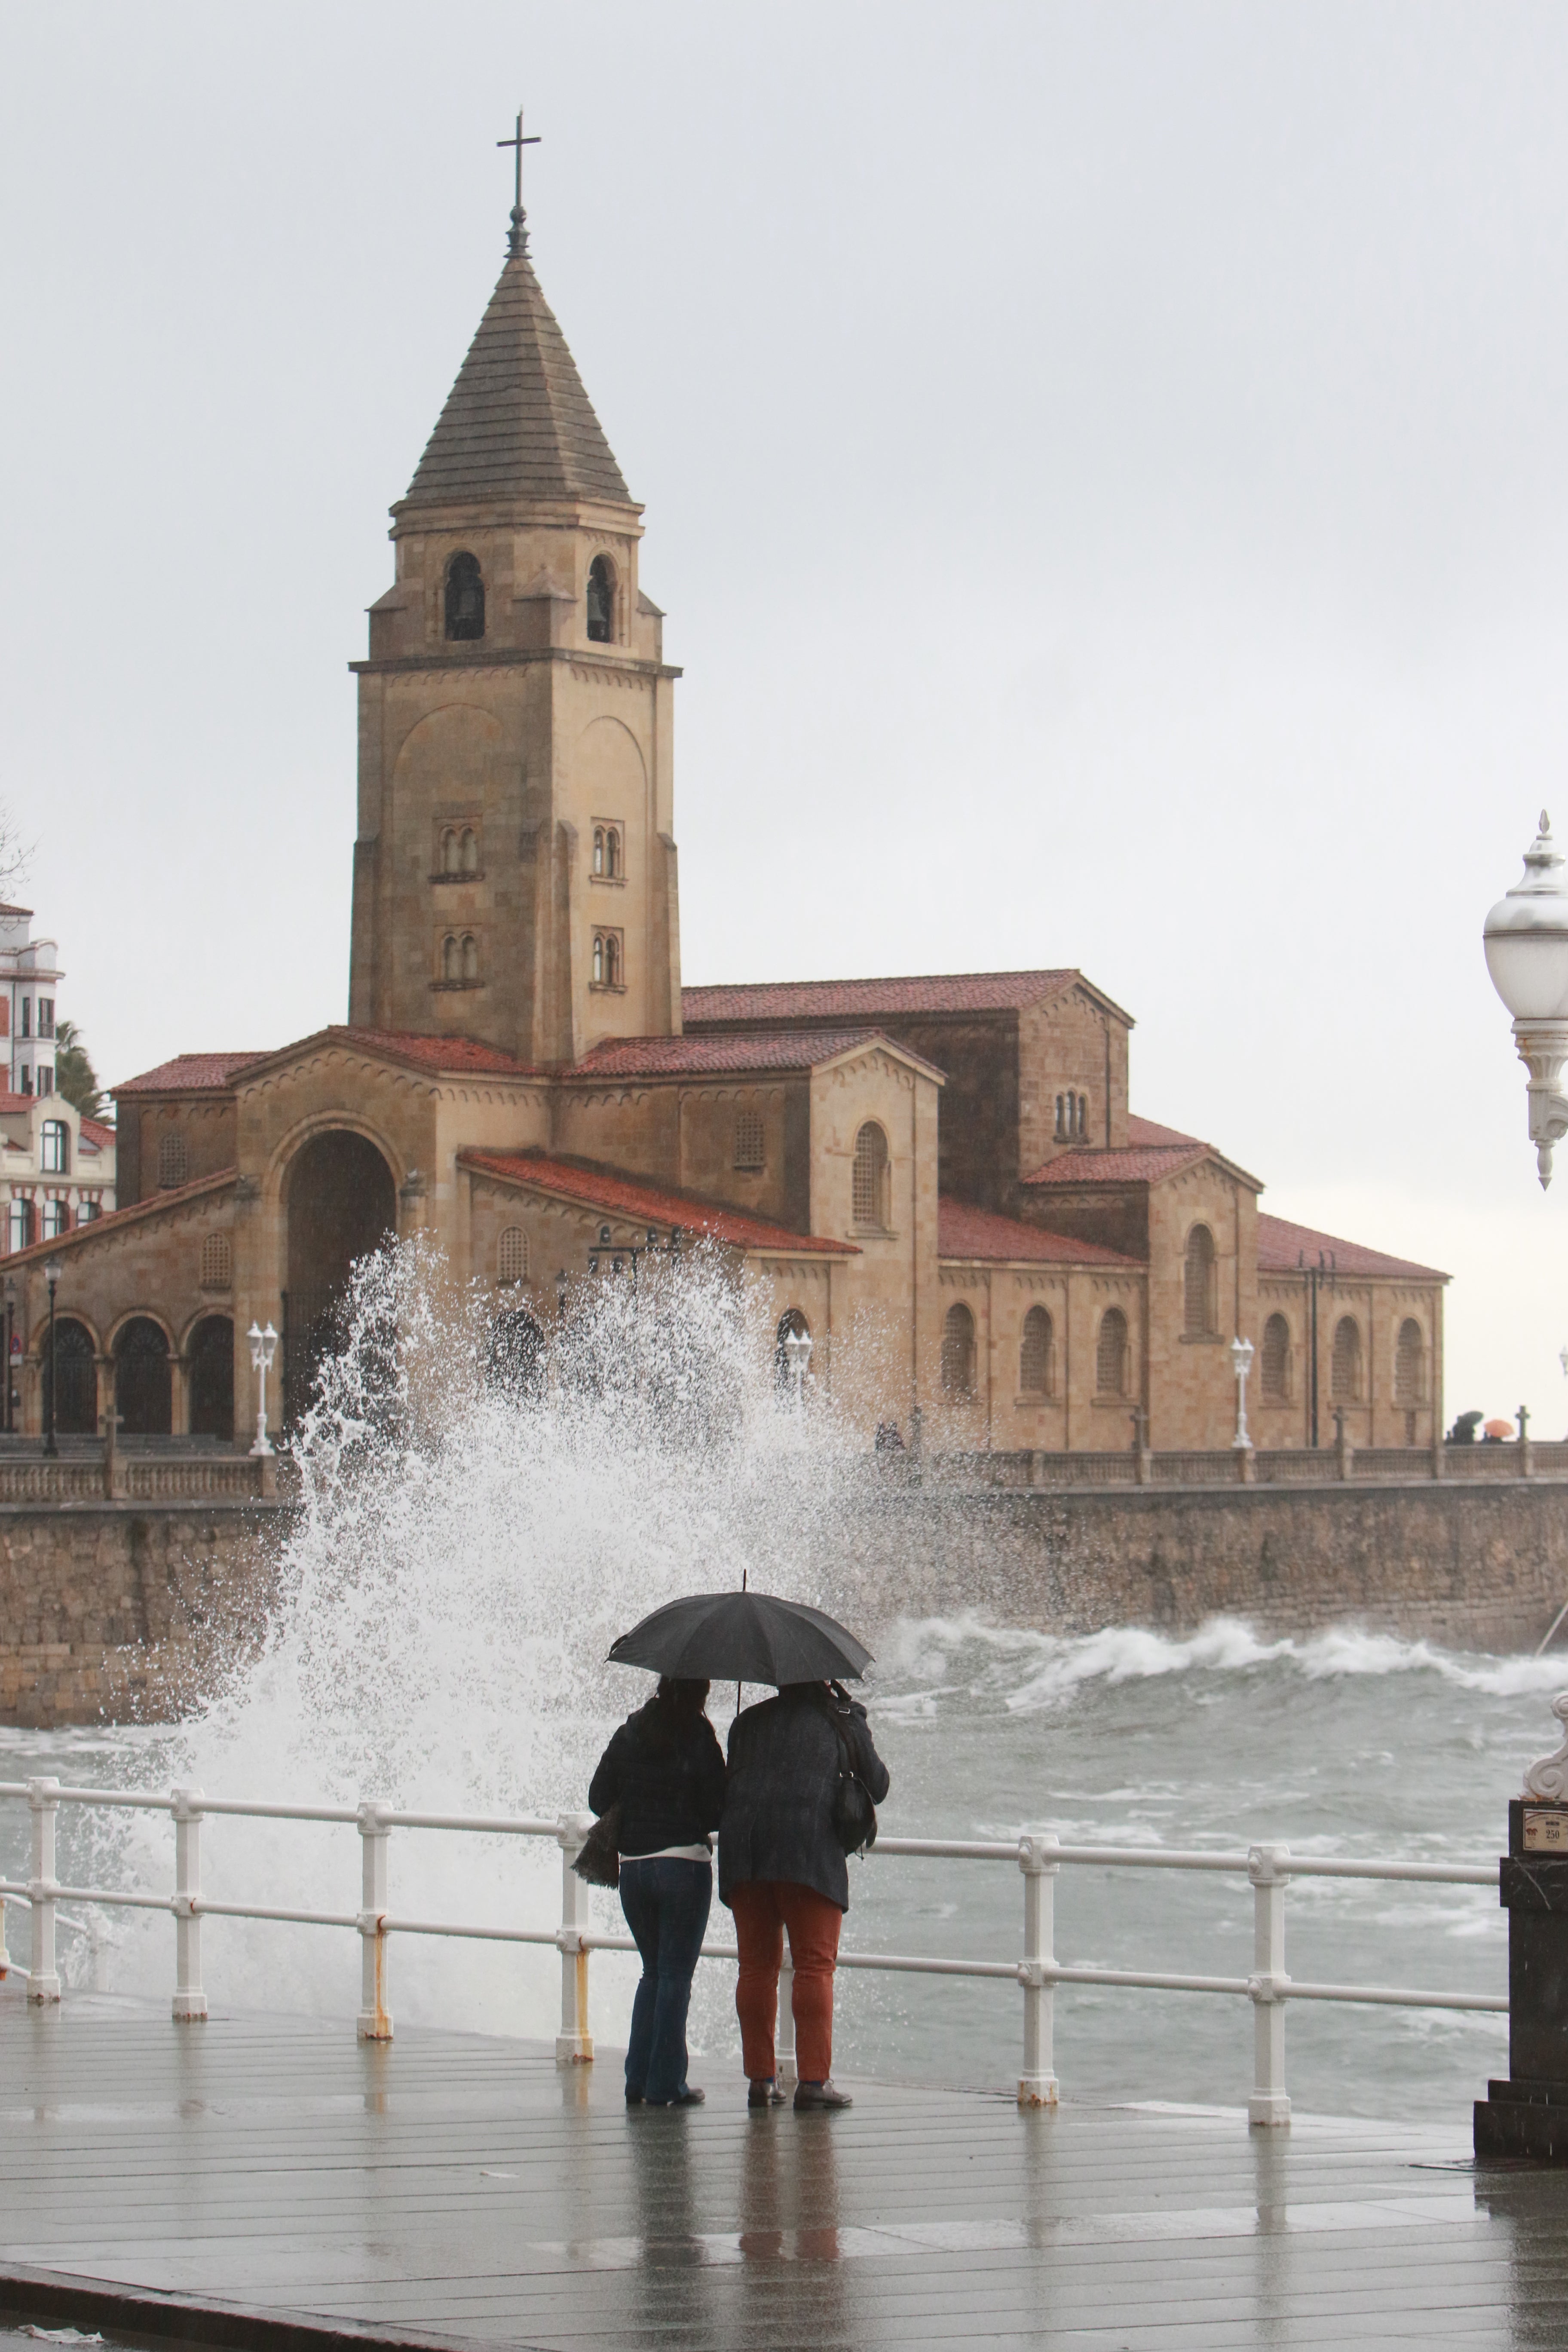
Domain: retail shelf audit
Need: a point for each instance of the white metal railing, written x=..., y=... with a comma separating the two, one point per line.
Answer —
x=1037, y=1854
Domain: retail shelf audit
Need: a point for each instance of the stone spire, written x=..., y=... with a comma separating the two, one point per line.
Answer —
x=518, y=424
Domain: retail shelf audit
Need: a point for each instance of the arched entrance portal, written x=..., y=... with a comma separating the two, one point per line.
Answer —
x=341, y=1205
x=144, y=1389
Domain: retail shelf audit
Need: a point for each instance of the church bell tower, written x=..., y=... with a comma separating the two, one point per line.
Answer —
x=515, y=863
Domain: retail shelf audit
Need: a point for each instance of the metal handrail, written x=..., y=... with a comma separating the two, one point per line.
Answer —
x=1037, y=1854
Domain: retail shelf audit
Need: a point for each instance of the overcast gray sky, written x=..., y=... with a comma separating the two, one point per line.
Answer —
x=1104, y=466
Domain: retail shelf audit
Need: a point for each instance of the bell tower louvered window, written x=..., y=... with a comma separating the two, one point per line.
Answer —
x=465, y=598
x=1410, y=1364
x=511, y=1256
x=749, y=1139
x=869, y=1180
x=173, y=1162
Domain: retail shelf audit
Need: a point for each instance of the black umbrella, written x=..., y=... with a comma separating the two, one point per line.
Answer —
x=743, y=1637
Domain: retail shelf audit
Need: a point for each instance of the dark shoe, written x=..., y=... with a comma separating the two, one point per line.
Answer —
x=764, y=2093
x=688, y=2098
x=808, y=2095
x=634, y=2098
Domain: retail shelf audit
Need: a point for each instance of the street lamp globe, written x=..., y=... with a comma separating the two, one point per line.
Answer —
x=53, y=1270
x=1526, y=941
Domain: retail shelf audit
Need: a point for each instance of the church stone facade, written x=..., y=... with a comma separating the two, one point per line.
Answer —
x=940, y=1178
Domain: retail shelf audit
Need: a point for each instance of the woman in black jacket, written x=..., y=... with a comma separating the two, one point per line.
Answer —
x=782, y=1869
x=665, y=1769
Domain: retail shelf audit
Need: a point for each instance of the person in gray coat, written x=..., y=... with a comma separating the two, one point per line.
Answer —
x=782, y=1870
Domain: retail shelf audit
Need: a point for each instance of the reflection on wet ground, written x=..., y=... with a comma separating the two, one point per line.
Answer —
x=461, y=2186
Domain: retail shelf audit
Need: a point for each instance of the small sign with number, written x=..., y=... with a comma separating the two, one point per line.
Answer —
x=1545, y=1832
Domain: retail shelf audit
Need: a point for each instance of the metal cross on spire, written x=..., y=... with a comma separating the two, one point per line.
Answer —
x=517, y=240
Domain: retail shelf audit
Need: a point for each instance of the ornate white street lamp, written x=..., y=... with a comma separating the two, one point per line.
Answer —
x=1526, y=941
x=263, y=1348
x=797, y=1358
x=1241, y=1352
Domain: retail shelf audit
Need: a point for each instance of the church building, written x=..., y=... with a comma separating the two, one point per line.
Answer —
x=940, y=1178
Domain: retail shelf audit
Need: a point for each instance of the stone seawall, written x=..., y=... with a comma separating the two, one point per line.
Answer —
x=1481, y=1567
x=117, y=1612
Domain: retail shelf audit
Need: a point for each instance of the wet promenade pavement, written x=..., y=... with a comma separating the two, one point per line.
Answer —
x=459, y=2188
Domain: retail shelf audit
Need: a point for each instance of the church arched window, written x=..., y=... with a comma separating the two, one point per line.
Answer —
x=599, y=866
x=1200, y=1318
x=451, y=851
x=468, y=857
x=1110, y=1354
x=598, y=958
x=601, y=601
x=958, y=1351
x=612, y=851
x=1035, y=1355
x=465, y=597
x=1277, y=1360
x=470, y=956
x=1344, y=1365
x=512, y=1257
x=451, y=957
x=1409, y=1364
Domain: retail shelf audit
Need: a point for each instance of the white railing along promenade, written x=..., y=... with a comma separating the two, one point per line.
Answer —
x=1037, y=1855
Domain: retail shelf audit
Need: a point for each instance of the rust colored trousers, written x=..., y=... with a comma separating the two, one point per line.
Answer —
x=763, y=1911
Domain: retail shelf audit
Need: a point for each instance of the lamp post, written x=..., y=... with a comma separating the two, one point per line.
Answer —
x=797, y=1359
x=1526, y=941
x=263, y=1348
x=53, y=1270
x=1241, y=1353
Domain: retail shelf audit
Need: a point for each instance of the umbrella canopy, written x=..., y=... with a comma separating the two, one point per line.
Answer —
x=748, y=1637
x=1498, y=1429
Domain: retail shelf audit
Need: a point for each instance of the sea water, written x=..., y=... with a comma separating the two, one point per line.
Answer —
x=469, y=1548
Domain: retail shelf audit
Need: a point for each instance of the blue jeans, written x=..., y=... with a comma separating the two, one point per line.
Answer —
x=666, y=1904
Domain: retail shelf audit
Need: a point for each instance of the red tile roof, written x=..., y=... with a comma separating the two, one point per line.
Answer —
x=114, y=1220
x=803, y=1000
x=751, y=1050
x=963, y=1232
x=96, y=1132
x=1280, y=1245
x=188, y=1074
x=14, y=910
x=447, y=1056
x=13, y=1106
x=648, y=1204
x=1152, y=1153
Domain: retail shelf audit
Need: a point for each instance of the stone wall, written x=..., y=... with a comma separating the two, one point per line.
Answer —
x=1483, y=1567
x=110, y=1613
x=119, y=1613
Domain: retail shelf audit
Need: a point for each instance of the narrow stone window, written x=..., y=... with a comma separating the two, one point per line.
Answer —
x=1036, y=1354
x=470, y=851
x=869, y=1180
x=792, y=1325
x=173, y=1162
x=958, y=1351
x=1110, y=1354
x=470, y=956
x=1344, y=1365
x=599, y=849
x=601, y=601
x=465, y=598
x=613, y=851
x=451, y=851
x=608, y=962
x=749, y=1138
x=1410, y=1364
x=1199, y=1302
x=511, y=1256
x=1277, y=1360
x=218, y=1262
x=451, y=957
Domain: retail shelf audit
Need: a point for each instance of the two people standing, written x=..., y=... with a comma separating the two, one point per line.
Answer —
x=782, y=1870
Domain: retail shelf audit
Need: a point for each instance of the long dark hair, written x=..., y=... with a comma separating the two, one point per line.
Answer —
x=672, y=1713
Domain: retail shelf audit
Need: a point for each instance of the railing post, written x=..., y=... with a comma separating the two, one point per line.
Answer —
x=43, y=1797
x=375, y=2020
x=1268, y=1868
x=573, y=2044
x=1038, y=2083
x=190, y=2000
x=6, y=1963
x=784, y=2047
